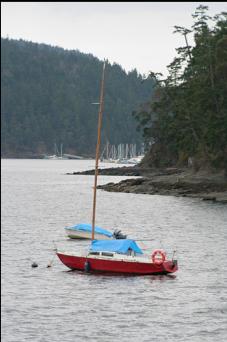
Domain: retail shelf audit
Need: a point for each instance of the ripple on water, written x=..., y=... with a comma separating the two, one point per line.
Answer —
x=54, y=304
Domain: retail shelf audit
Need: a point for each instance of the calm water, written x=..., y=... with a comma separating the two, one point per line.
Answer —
x=54, y=304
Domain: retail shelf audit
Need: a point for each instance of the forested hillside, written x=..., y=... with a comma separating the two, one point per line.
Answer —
x=47, y=95
x=187, y=118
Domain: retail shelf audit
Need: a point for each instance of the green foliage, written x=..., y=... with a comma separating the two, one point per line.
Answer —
x=47, y=95
x=188, y=113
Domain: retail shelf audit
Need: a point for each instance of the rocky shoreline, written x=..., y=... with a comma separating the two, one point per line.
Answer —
x=170, y=181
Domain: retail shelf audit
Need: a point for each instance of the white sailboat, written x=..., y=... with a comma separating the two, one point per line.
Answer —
x=56, y=155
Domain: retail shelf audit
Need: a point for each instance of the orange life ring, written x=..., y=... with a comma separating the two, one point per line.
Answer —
x=158, y=256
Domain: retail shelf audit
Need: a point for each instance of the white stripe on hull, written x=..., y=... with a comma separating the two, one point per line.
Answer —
x=78, y=234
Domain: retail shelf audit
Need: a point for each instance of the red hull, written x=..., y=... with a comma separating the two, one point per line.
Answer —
x=117, y=266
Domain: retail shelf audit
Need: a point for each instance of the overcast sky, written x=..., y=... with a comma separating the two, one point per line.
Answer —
x=132, y=34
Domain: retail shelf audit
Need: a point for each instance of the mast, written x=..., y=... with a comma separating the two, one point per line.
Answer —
x=97, y=149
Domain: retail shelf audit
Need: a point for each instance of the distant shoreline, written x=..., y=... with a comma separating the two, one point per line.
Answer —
x=39, y=156
x=22, y=156
x=170, y=182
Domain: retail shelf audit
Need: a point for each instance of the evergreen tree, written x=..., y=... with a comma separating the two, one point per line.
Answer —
x=188, y=114
x=47, y=95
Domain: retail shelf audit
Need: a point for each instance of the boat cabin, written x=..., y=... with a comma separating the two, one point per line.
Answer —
x=109, y=248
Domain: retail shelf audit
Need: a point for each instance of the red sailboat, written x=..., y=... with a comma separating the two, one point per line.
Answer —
x=115, y=256
x=118, y=256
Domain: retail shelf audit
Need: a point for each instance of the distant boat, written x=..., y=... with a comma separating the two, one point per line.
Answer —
x=134, y=160
x=123, y=154
x=57, y=156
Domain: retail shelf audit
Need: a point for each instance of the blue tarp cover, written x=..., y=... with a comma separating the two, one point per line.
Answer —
x=119, y=246
x=88, y=227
